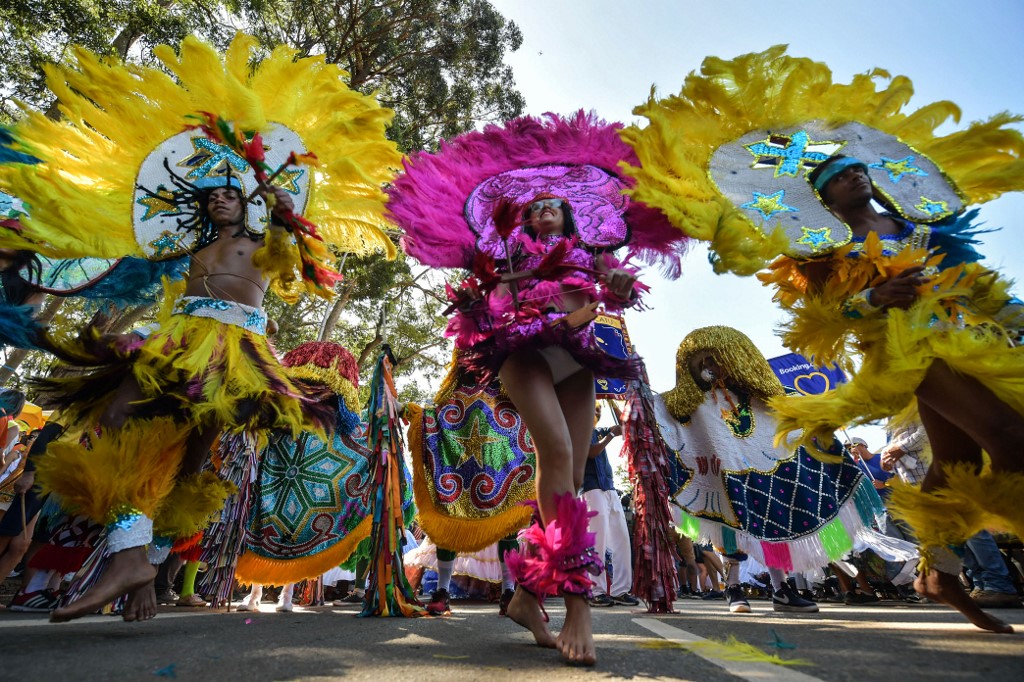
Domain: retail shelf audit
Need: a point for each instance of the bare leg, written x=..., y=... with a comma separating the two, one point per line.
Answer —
x=127, y=571
x=576, y=397
x=527, y=381
x=950, y=444
x=975, y=414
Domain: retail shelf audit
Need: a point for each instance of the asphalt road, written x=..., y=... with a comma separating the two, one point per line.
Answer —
x=906, y=643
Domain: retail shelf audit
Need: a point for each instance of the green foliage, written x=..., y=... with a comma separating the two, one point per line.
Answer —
x=38, y=32
x=438, y=63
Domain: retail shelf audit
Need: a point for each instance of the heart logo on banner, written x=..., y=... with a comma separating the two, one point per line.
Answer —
x=812, y=381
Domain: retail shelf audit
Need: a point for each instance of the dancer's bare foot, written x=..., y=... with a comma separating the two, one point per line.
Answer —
x=127, y=571
x=525, y=611
x=576, y=640
x=141, y=604
x=946, y=589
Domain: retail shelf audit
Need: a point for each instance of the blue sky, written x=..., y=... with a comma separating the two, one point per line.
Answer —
x=606, y=56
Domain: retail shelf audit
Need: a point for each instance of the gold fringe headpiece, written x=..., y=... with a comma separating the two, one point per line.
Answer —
x=735, y=352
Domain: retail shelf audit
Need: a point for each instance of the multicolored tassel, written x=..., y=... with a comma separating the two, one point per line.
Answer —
x=388, y=592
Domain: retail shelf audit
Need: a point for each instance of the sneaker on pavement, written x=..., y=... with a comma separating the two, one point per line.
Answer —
x=440, y=603
x=251, y=602
x=599, y=600
x=42, y=601
x=506, y=599
x=996, y=600
x=191, y=601
x=788, y=600
x=285, y=606
x=855, y=597
x=626, y=599
x=167, y=598
x=354, y=597
x=712, y=594
x=737, y=600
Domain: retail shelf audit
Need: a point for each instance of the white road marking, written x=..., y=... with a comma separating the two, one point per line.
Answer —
x=755, y=672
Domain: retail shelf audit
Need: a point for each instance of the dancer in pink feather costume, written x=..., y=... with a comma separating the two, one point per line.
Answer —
x=532, y=211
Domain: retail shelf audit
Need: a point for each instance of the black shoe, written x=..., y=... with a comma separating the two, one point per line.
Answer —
x=788, y=600
x=626, y=599
x=601, y=600
x=855, y=597
x=712, y=594
x=506, y=599
x=737, y=600
x=440, y=603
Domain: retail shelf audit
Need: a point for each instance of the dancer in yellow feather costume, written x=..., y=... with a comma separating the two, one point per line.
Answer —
x=766, y=158
x=157, y=164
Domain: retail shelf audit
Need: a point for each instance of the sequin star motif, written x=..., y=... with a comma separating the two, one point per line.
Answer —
x=166, y=243
x=769, y=204
x=288, y=180
x=210, y=156
x=473, y=444
x=788, y=154
x=815, y=238
x=161, y=202
x=897, y=168
x=932, y=207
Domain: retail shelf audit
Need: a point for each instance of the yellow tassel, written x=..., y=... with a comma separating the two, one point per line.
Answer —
x=255, y=569
x=130, y=468
x=192, y=504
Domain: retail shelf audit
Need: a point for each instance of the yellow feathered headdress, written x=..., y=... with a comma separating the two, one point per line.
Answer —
x=726, y=159
x=98, y=190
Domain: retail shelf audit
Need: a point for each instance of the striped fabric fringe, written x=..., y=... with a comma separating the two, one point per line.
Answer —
x=654, y=565
x=852, y=530
x=88, y=575
x=224, y=540
x=388, y=592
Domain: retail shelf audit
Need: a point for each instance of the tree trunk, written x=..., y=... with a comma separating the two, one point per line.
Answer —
x=17, y=357
x=331, y=320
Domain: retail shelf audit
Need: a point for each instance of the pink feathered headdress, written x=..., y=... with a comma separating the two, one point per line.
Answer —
x=445, y=201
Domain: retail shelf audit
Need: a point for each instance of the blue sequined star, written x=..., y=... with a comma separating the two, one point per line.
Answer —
x=787, y=153
x=769, y=204
x=167, y=242
x=932, y=207
x=815, y=238
x=257, y=321
x=210, y=155
x=897, y=168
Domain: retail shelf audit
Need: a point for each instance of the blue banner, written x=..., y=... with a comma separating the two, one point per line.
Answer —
x=612, y=338
x=798, y=375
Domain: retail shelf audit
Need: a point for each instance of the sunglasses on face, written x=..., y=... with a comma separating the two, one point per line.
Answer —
x=549, y=203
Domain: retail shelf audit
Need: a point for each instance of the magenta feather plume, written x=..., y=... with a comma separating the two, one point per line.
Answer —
x=558, y=558
x=429, y=201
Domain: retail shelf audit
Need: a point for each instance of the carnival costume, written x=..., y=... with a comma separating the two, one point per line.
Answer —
x=166, y=143
x=461, y=207
x=473, y=462
x=312, y=507
x=732, y=486
x=727, y=160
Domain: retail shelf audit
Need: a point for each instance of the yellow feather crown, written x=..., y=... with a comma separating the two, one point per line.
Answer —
x=83, y=194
